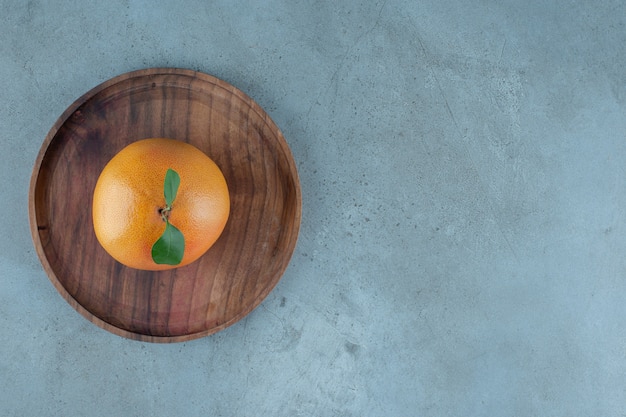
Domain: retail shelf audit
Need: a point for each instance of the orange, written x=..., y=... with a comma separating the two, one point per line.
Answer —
x=129, y=195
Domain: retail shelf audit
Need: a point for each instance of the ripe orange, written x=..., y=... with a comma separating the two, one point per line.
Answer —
x=129, y=195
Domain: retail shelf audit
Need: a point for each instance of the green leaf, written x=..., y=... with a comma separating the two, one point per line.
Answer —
x=172, y=181
x=170, y=247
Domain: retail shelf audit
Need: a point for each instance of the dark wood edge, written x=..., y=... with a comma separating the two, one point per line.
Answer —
x=32, y=215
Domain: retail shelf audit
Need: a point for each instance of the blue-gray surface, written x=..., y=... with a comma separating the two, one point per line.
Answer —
x=463, y=244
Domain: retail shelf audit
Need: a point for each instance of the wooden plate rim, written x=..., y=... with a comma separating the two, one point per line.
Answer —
x=62, y=119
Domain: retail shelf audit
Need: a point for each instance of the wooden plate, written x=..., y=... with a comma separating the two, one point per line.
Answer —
x=246, y=262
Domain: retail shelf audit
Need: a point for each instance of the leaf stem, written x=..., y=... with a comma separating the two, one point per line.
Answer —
x=165, y=213
x=170, y=247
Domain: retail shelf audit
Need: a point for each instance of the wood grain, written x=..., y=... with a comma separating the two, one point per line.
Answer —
x=246, y=262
